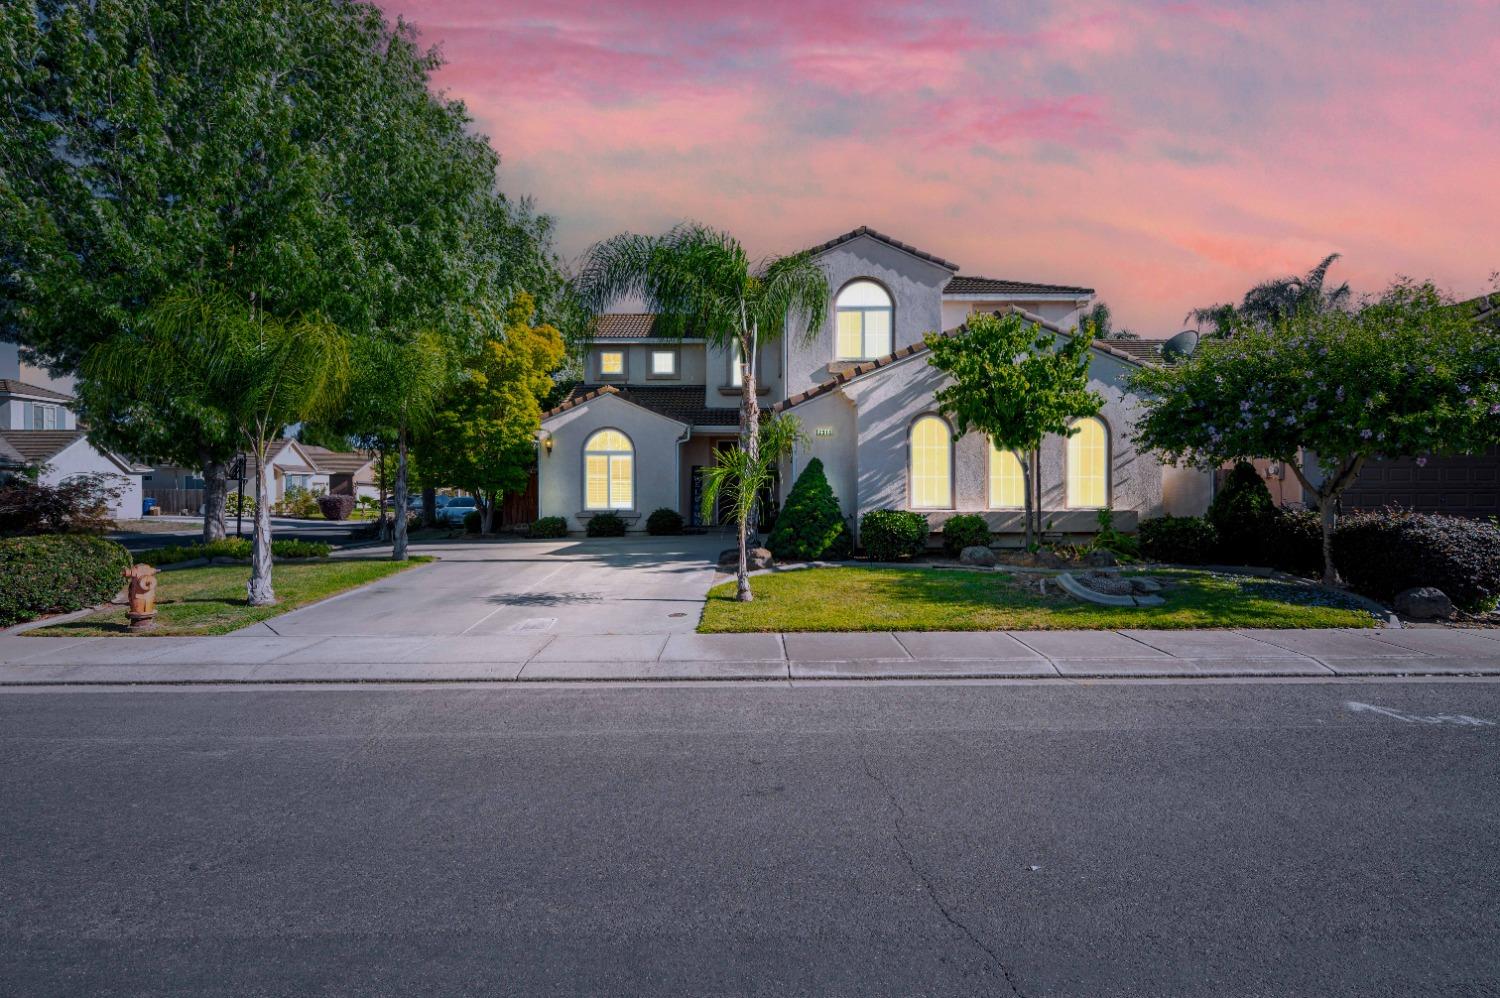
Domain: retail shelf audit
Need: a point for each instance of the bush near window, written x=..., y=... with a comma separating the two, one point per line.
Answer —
x=298, y=503
x=1382, y=553
x=472, y=522
x=550, y=526
x=335, y=507
x=237, y=548
x=966, y=530
x=79, y=505
x=1294, y=542
x=810, y=525
x=237, y=504
x=664, y=521
x=893, y=534
x=606, y=525
x=57, y=574
x=1241, y=513
x=1179, y=540
x=1125, y=546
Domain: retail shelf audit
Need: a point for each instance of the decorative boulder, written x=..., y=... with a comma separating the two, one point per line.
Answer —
x=979, y=555
x=1424, y=603
x=759, y=558
x=1110, y=585
x=1145, y=584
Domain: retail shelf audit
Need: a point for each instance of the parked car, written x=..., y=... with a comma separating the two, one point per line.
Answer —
x=414, y=501
x=454, y=512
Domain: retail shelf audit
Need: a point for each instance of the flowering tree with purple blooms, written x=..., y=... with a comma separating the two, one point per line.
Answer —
x=1405, y=375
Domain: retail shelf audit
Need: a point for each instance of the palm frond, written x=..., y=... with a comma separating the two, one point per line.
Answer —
x=791, y=288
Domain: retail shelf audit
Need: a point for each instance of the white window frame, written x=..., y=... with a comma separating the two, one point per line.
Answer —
x=611, y=456
x=864, y=311
x=621, y=373
x=911, y=433
x=672, y=360
x=47, y=411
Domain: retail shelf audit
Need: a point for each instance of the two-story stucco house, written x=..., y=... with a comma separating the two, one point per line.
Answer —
x=651, y=411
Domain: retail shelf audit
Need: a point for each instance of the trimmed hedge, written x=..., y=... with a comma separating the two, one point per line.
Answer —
x=1385, y=552
x=550, y=526
x=967, y=530
x=1182, y=540
x=664, y=521
x=57, y=573
x=606, y=525
x=336, y=507
x=237, y=548
x=893, y=534
x=811, y=524
x=1294, y=542
x=1241, y=513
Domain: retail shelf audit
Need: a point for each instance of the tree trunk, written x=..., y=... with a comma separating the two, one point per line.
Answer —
x=486, y=512
x=1026, y=502
x=383, y=533
x=750, y=441
x=742, y=571
x=429, y=505
x=398, y=550
x=1325, y=523
x=1326, y=497
x=259, y=591
x=215, y=497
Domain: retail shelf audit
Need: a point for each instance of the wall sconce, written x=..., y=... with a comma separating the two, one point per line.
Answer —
x=547, y=443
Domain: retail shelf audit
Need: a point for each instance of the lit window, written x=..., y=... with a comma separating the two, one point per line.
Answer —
x=611, y=362
x=1088, y=465
x=664, y=362
x=609, y=471
x=931, y=464
x=863, y=316
x=737, y=368
x=1007, y=484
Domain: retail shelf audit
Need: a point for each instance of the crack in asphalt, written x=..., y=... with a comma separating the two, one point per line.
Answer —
x=899, y=837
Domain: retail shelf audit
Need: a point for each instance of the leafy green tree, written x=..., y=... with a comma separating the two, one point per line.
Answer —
x=482, y=438
x=738, y=477
x=263, y=372
x=1405, y=375
x=1275, y=300
x=1015, y=382
x=701, y=281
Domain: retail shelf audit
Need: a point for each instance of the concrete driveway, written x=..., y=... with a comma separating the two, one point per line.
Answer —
x=572, y=586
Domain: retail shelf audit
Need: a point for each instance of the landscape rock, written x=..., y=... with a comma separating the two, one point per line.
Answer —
x=756, y=558
x=1035, y=559
x=1100, y=559
x=1110, y=585
x=1424, y=603
x=1145, y=584
x=760, y=558
x=977, y=555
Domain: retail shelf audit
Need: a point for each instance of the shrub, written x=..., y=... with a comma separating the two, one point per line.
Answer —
x=473, y=521
x=606, y=525
x=291, y=547
x=1241, y=514
x=1126, y=546
x=335, y=507
x=237, y=548
x=892, y=534
x=664, y=521
x=239, y=504
x=1295, y=542
x=550, y=526
x=1384, y=552
x=80, y=504
x=298, y=502
x=1183, y=540
x=810, y=525
x=57, y=574
x=966, y=530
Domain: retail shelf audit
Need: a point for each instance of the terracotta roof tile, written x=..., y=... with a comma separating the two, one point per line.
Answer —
x=865, y=230
x=964, y=285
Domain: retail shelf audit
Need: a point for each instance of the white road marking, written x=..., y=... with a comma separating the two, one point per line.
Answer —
x=1462, y=720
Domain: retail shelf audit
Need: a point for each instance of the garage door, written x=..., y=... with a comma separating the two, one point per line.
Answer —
x=1459, y=486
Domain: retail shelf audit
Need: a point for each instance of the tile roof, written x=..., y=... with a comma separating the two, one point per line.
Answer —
x=682, y=403
x=9, y=386
x=865, y=230
x=1142, y=350
x=36, y=446
x=869, y=366
x=9, y=456
x=623, y=326
x=335, y=462
x=1485, y=308
x=965, y=285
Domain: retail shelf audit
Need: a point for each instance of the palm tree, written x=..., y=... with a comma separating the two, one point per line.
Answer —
x=1272, y=301
x=262, y=372
x=699, y=280
x=738, y=477
x=1102, y=321
x=399, y=380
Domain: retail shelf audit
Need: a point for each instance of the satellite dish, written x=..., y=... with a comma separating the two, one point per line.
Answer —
x=1181, y=345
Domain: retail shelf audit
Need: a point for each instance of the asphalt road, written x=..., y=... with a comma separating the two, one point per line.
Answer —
x=1186, y=839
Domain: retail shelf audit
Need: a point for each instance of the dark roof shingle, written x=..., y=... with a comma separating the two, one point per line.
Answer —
x=865, y=230
x=36, y=446
x=9, y=386
x=965, y=285
x=682, y=403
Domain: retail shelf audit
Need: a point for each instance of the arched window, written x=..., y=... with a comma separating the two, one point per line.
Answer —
x=608, y=471
x=931, y=463
x=1088, y=465
x=862, y=313
x=1007, y=484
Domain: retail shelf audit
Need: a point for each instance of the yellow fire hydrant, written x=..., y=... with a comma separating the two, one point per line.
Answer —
x=142, y=612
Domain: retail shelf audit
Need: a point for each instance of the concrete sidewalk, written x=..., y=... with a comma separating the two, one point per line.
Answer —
x=269, y=658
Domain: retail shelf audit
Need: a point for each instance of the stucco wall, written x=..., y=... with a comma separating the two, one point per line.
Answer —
x=1185, y=490
x=690, y=363
x=657, y=459
x=837, y=448
x=720, y=394
x=80, y=458
x=915, y=287
x=887, y=403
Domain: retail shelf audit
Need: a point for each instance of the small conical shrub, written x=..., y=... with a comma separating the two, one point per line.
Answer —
x=811, y=524
x=1242, y=512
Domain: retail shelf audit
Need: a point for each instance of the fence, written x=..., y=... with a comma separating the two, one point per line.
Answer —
x=176, y=500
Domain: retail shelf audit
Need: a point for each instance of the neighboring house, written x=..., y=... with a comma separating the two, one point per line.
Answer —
x=651, y=412
x=38, y=430
x=290, y=464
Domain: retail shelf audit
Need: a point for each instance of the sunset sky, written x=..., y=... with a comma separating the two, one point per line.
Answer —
x=1167, y=154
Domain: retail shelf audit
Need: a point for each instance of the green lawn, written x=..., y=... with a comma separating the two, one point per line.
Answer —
x=924, y=599
x=211, y=599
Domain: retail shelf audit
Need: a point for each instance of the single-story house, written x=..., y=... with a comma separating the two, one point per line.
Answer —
x=64, y=454
x=637, y=433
